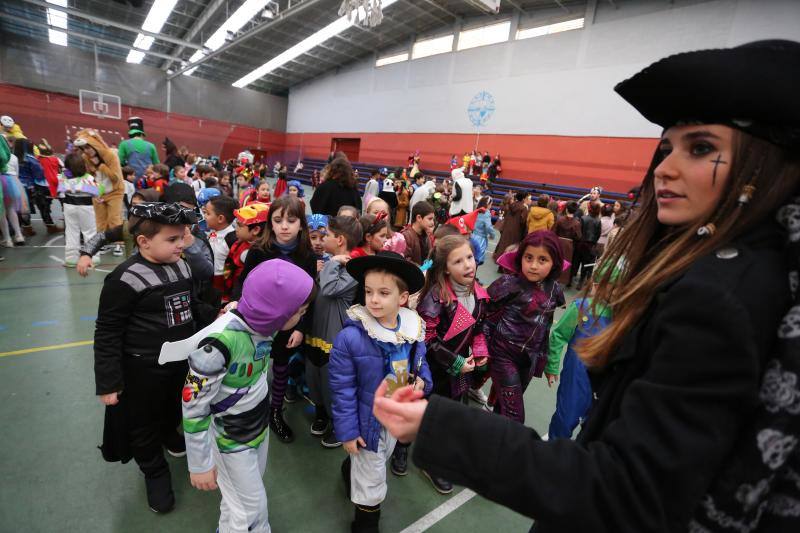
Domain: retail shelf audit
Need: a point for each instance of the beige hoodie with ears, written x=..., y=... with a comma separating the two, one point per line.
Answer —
x=540, y=218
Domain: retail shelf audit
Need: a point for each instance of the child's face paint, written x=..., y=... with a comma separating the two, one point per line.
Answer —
x=536, y=263
x=690, y=181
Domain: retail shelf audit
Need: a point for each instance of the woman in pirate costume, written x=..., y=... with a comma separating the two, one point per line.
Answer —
x=696, y=419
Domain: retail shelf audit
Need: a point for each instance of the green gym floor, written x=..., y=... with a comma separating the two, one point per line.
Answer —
x=54, y=479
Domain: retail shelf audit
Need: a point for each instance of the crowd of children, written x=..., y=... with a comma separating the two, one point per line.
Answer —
x=227, y=291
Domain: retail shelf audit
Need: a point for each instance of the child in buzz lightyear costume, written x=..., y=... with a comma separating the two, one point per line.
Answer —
x=225, y=403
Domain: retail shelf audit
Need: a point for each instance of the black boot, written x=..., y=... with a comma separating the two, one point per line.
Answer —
x=346, y=475
x=279, y=425
x=160, y=497
x=366, y=519
x=400, y=459
x=442, y=486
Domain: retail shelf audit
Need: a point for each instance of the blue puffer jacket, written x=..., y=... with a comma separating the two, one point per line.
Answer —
x=357, y=367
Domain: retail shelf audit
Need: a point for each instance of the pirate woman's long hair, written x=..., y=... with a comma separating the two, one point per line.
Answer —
x=652, y=253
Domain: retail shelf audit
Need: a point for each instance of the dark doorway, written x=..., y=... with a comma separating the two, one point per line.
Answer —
x=350, y=147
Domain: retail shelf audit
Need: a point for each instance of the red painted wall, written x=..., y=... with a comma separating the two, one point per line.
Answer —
x=54, y=116
x=616, y=163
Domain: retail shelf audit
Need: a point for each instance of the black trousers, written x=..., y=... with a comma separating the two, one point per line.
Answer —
x=153, y=396
x=41, y=197
x=584, y=255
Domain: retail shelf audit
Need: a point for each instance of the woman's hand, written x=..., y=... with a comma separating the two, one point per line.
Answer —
x=401, y=413
x=205, y=480
x=111, y=398
x=552, y=379
x=295, y=339
x=351, y=446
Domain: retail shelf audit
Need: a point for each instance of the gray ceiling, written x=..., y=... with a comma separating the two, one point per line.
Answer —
x=193, y=21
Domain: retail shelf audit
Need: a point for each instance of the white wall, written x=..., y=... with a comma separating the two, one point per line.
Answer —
x=555, y=85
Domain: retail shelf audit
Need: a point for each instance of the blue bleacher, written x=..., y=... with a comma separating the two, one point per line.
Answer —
x=499, y=188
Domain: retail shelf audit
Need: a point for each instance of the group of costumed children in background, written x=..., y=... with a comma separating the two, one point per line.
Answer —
x=206, y=322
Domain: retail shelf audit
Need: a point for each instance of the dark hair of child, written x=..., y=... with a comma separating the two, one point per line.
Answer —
x=347, y=208
x=572, y=207
x=401, y=284
x=162, y=170
x=127, y=171
x=543, y=201
x=224, y=205
x=594, y=209
x=75, y=164
x=211, y=182
x=445, y=230
x=521, y=195
x=421, y=209
x=606, y=210
x=347, y=227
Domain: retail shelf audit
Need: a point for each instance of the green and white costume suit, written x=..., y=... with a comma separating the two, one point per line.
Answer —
x=224, y=399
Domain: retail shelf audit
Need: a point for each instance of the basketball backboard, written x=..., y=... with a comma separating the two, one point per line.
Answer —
x=100, y=105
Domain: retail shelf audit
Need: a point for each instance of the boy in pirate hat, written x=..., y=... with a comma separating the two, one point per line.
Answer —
x=381, y=340
x=135, y=151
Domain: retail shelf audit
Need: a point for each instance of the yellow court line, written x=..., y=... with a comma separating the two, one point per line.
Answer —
x=46, y=348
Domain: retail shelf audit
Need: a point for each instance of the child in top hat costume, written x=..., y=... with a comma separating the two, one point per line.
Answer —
x=135, y=151
x=694, y=426
x=370, y=348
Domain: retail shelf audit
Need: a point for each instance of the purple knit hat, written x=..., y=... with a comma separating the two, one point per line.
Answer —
x=272, y=293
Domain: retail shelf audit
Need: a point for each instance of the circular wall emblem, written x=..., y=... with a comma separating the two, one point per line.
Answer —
x=481, y=108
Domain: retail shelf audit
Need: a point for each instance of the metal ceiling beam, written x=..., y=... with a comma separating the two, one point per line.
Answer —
x=198, y=25
x=292, y=11
x=517, y=7
x=441, y=8
x=108, y=22
x=562, y=6
x=417, y=8
x=32, y=23
x=337, y=51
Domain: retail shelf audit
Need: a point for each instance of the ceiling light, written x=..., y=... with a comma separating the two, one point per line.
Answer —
x=331, y=30
x=57, y=19
x=156, y=18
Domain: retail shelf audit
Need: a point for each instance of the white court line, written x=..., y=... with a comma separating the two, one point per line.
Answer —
x=54, y=239
x=440, y=512
x=430, y=519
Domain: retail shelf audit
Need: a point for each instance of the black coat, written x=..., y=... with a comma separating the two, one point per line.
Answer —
x=670, y=406
x=331, y=195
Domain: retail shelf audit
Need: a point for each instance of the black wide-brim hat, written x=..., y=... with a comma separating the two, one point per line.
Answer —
x=135, y=126
x=754, y=87
x=392, y=262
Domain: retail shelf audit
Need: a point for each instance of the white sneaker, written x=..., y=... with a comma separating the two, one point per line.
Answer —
x=104, y=250
x=117, y=251
x=478, y=396
x=19, y=240
x=8, y=243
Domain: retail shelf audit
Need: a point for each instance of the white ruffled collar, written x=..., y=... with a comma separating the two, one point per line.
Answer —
x=412, y=328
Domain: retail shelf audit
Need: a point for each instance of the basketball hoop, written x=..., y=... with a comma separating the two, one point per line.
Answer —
x=100, y=105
